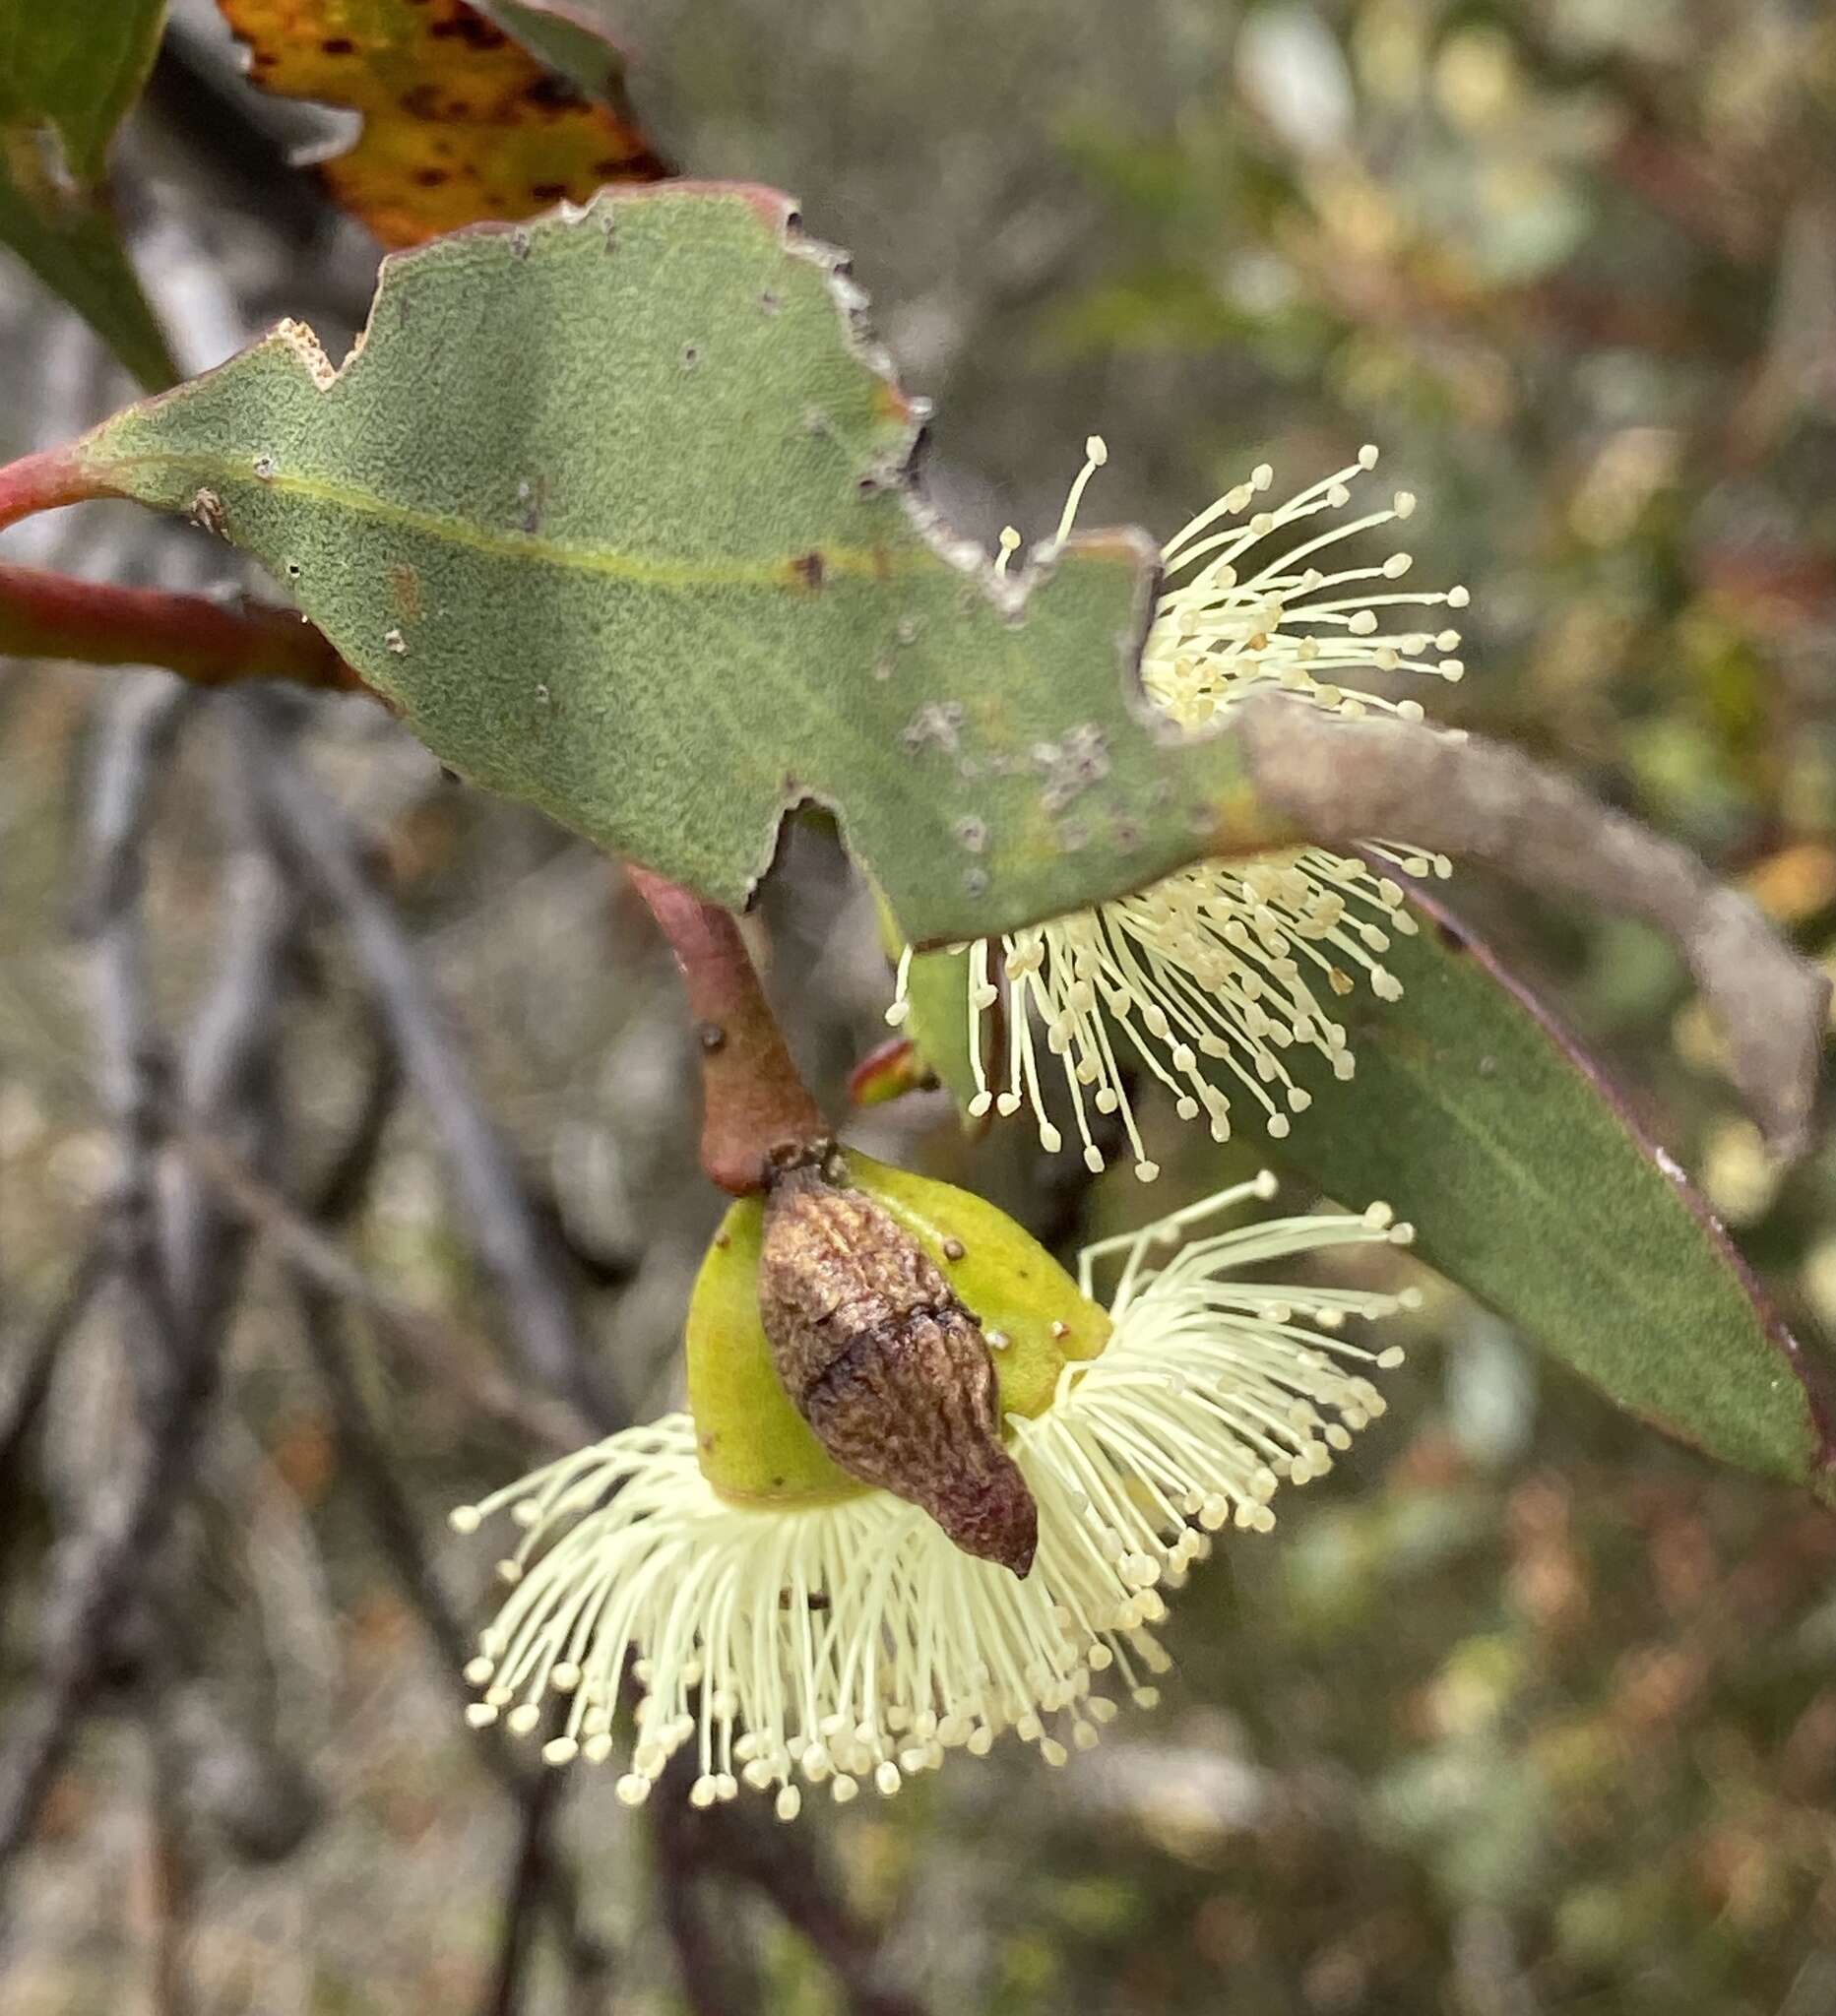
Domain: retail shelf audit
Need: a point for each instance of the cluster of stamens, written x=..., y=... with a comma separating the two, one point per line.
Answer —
x=1222, y=971
x=847, y=1642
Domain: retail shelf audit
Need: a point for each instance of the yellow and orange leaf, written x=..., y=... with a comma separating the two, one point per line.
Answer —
x=461, y=123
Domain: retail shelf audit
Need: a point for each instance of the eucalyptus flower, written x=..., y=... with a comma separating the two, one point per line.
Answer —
x=750, y=1601
x=1221, y=971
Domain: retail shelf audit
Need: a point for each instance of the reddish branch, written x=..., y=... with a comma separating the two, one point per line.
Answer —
x=758, y=1111
x=43, y=481
x=211, y=643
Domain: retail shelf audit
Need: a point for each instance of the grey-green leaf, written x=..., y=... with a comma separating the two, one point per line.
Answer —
x=70, y=70
x=1531, y=1183
x=616, y=507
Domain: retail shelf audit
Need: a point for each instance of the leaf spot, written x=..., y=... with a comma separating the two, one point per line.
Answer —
x=549, y=93
x=405, y=589
x=1071, y=766
x=470, y=29
x=394, y=641
x=971, y=833
x=938, y=722
x=808, y=570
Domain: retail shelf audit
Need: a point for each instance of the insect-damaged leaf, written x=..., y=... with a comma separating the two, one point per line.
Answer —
x=69, y=73
x=460, y=122
x=615, y=507
x=1531, y=1184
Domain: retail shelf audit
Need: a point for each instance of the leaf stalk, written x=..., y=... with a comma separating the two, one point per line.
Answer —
x=757, y=1111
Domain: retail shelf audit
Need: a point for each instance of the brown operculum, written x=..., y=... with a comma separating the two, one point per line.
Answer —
x=889, y=1368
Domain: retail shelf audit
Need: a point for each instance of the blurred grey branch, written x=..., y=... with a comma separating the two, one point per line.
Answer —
x=99, y=1570
x=521, y=1258
x=1344, y=780
x=441, y=1350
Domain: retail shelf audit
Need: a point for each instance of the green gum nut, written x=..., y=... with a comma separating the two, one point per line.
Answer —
x=755, y=1448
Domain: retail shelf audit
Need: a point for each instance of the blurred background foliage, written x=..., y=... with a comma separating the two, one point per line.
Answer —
x=1522, y=1710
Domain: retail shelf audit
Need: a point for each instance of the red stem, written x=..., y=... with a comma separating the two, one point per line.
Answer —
x=43, y=482
x=211, y=643
x=758, y=1111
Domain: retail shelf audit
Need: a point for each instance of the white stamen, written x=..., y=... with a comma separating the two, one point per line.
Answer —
x=850, y=1640
x=1211, y=980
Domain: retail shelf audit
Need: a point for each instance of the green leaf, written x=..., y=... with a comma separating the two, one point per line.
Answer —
x=1530, y=1183
x=571, y=45
x=616, y=507
x=70, y=70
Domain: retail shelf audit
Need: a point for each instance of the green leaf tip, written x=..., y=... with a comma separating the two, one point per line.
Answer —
x=619, y=509
x=1531, y=1182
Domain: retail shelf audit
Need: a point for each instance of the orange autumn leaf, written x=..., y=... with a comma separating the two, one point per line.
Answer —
x=460, y=122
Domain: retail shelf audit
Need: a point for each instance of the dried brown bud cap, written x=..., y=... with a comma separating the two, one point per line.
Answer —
x=887, y=1367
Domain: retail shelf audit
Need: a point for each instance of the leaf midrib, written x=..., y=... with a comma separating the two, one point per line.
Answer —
x=870, y=563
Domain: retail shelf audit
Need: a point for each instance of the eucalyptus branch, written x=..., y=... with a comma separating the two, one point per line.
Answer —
x=207, y=642
x=1328, y=778
x=757, y=1109
x=43, y=481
